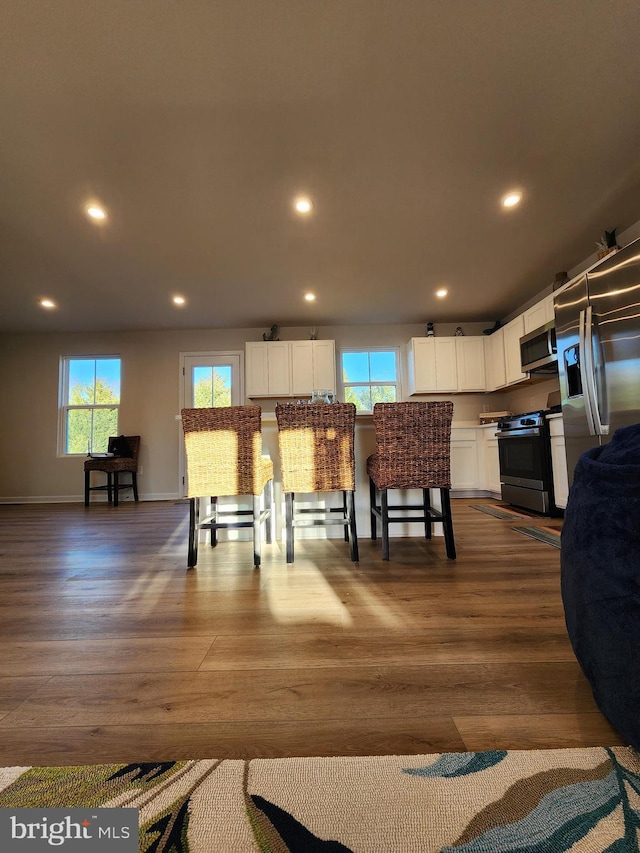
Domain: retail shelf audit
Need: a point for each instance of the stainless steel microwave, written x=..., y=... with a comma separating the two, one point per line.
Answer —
x=538, y=350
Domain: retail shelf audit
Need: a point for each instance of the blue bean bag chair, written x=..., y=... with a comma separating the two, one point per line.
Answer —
x=600, y=576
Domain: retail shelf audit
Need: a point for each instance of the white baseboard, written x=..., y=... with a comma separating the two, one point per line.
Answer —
x=74, y=499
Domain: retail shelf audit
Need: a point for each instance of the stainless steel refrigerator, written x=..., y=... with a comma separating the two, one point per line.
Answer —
x=598, y=333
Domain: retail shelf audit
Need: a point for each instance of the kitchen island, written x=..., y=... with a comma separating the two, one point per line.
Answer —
x=474, y=473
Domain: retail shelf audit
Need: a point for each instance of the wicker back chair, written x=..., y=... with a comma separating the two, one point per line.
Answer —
x=113, y=467
x=316, y=443
x=413, y=448
x=224, y=458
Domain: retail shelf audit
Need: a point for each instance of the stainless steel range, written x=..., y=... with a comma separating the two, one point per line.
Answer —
x=524, y=448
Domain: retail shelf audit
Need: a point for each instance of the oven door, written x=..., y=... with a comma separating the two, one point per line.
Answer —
x=523, y=458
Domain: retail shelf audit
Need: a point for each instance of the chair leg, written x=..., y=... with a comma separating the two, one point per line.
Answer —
x=116, y=488
x=268, y=505
x=214, y=520
x=426, y=500
x=134, y=484
x=351, y=528
x=372, y=503
x=384, y=508
x=87, y=484
x=345, y=511
x=288, y=511
x=256, y=530
x=109, y=487
x=447, y=524
x=194, y=512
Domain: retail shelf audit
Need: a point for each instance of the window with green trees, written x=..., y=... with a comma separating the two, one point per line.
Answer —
x=370, y=377
x=90, y=401
x=211, y=386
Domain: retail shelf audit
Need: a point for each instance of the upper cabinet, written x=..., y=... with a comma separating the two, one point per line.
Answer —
x=494, y=360
x=513, y=331
x=471, y=363
x=440, y=365
x=313, y=365
x=538, y=315
x=288, y=368
x=268, y=368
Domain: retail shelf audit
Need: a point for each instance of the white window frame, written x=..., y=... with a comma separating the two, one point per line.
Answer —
x=63, y=396
x=397, y=383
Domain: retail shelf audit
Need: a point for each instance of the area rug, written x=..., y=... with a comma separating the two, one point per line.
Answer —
x=500, y=511
x=548, y=535
x=478, y=802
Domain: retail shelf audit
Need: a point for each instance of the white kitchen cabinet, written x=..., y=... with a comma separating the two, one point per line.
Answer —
x=268, y=368
x=470, y=363
x=559, y=462
x=445, y=365
x=490, y=460
x=432, y=365
x=538, y=315
x=464, y=459
x=288, y=368
x=494, y=360
x=513, y=331
x=313, y=365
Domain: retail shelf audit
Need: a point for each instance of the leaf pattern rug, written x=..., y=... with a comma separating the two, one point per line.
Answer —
x=534, y=801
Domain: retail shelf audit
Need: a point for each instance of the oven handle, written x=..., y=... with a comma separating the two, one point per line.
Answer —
x=519, y=433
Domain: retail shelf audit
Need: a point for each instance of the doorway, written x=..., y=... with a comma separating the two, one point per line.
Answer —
x=208, y=379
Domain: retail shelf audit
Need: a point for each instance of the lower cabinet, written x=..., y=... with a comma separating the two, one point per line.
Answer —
x=490, y=460
x=465, y=474
x=559, y=462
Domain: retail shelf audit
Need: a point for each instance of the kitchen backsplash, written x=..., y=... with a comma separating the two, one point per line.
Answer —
x=527, y=398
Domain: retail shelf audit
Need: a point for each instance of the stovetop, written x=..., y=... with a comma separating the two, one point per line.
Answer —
x=526, y=420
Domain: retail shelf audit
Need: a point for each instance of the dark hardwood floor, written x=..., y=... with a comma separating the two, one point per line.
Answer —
x=112, y=651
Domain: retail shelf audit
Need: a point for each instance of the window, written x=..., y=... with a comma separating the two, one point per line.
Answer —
x=370, y=377
x=211, y=386
x=89, y=403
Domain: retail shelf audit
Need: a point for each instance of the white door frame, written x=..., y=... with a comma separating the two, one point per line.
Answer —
x=183, y=356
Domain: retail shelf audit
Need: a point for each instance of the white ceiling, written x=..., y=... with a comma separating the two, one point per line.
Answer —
x=196, y=122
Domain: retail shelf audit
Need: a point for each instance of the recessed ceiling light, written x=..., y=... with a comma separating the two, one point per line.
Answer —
x=303, y=204
x=47, y=303
x=310, y=297
x=95, y=212
x=179, y=300
x=441, y=292
x=512, y=199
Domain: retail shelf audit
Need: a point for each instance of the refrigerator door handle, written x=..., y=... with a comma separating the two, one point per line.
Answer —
x=585, y=372
x=599, y=427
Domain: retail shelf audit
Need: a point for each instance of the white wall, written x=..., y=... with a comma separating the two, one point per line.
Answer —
x=30, y=470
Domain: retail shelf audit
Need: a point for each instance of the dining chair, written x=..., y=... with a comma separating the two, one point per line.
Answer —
x=125, y=461
x=224, y=458
x=316, y=444
x=413, y=450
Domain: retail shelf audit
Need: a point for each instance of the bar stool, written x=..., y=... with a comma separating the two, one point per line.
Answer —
x=316, y=443
x=413, y=448
x=224, y=458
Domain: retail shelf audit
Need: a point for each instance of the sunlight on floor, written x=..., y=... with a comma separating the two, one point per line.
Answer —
x=303, y=596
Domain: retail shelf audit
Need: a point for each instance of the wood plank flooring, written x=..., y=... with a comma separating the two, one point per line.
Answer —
x=113, y=651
